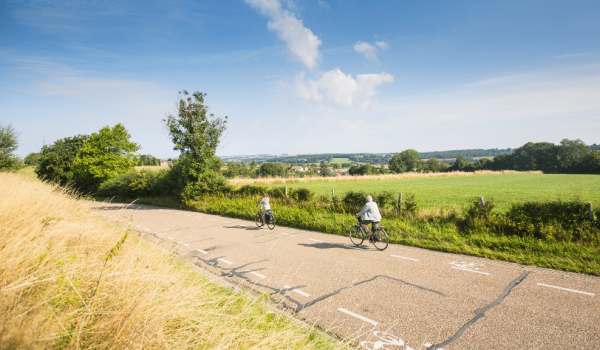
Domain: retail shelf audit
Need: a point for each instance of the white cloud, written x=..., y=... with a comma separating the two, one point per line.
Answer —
x=335, y=87
x=369, y=50
x=323, y=4
x=382, y=45
x=301, y=43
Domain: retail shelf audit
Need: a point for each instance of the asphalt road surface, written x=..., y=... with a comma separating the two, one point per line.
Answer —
x=400, y=298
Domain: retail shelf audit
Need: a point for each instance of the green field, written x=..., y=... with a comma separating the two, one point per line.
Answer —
x=340, y=160
x=150, y=167
x=457, y=190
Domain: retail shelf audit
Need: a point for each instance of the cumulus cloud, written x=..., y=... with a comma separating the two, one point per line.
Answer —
x=301, y=43
x=335, y=87
x=369, y=50
x=323, y=4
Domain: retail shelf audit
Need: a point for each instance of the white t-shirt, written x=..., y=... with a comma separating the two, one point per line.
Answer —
x=265, y=202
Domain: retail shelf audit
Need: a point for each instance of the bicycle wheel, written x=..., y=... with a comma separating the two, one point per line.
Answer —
x=381, y=239
x=258, y=220
x=271, y=222
x=356, y=235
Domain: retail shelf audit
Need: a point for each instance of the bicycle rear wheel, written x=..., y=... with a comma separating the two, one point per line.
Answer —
x=271, y=222
x=258, y=220
x=356, y=235
x=380, y=239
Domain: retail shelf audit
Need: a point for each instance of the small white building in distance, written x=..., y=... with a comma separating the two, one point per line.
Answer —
x=299, y=169
x=164, y=162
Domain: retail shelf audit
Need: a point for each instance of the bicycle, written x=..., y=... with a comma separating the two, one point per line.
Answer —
x=379, y=238
x=269, y=220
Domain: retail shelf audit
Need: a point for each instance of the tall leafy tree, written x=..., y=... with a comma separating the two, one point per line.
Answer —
x=9, y=142
x=56, y=161
x=32, y=158
x=106, y=154
x=571, y=153
x=196, y=134
x=407, y=160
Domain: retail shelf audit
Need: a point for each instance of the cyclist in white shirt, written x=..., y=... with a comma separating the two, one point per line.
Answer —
x=371, y=213
x=267, y=206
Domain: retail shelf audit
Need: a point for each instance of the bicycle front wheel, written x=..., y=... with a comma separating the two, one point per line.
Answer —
x=258, y=220
x=271, y=222
x=356, y=235
x=381, y=239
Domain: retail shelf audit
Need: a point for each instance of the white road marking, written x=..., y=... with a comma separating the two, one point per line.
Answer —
x=256, y=274
x=287, y=234
x=187, y=215
x=157, y=233
x=185, y=244
x=347, y=246
x=138, y=226
x=147, y=229
x=169, y=237
x=199, y=217
x=212, y=219
x=202, y=251
x=225, y=261
x=316, y=240
x=358, y=316
x=297, y=291
x=568, y=290
x=177, y=213
x=226, y=222
x=461, y=268
x=403, y=257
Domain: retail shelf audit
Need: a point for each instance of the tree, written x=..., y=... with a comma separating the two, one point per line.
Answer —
x=408, y=160
x=196, y=134
x=56, y=161
x=273, y=170
x=32, y=158
x=148, y=160
x=435, y=165
x=104, y=155
x=571, y=153
x=9, y=142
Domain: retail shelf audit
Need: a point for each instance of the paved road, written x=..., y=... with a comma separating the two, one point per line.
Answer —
x=401, y=298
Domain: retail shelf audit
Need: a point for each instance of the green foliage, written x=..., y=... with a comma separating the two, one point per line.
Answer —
x=386, y=199
x=410, y=204
x=252, y=190
x=9, y=142
x=32, y=159
x=435, y=165
x=354, y=200
x=273, y=170
x=56, y=161
x=365, y=169
x=115, y=250
x=408, y=160
x=148, y=160
x=104, y=155
x=135, y=184
x=301, y=194
x=196, y=134
x=209, y=183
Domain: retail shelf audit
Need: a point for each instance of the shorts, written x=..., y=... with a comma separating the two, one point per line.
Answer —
x=372, y=222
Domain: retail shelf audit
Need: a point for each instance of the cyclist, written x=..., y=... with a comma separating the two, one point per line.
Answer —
x=372, y=216
x=267, y=206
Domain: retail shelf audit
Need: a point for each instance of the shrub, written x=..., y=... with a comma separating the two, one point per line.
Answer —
x=252, y=190
x=277, y=192
x=410, y=204
x=140, y=184
x=209, y=183
x=354, y=199
x=302, y=194
x=386, y=199
x=475, y=211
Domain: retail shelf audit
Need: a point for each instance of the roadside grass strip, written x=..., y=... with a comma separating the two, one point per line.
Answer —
x=403, y=257
x=225, y=261
x=256, y=274
x=358, y=316
x=566, y=289
x=304, y=294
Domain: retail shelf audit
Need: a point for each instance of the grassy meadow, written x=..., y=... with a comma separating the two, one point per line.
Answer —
x=436, y=192
x=70, y=280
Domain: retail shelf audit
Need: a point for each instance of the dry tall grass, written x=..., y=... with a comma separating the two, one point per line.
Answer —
x=58, y=289
x=282, y=180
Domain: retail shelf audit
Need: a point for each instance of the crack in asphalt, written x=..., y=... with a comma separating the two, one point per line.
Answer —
x=480, y=313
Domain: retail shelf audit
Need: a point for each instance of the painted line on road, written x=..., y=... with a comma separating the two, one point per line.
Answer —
x=202, y=251
x=567, y=289
x=403, y=257
x=358, y=316
x=185, y=244
x=297, y=291
x=170, y=238
x=138, y=226
x=287, y=234
x=156, y=233
x=316, y=240
x=460, y=268
x=347, y=246
x=243, y=226
x=256, y=274
x=225, y=261
x=212, y=219
x=198, y=217
x=177, y=213
x=187, y=215
x=147, y=230
x=226, y=222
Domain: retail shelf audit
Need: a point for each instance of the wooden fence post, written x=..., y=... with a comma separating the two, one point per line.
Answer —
x=285, y=191
x=400, y=202
x=482, y=203
x=590, y=211
x=332, y=193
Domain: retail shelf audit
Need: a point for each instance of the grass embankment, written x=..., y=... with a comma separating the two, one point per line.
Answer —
x=440, y=192
x=70, y=280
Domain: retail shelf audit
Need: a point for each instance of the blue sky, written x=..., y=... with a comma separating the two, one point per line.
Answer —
x=302, y=77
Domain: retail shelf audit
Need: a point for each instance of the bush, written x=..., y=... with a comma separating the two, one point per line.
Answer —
x=386, y=199
x=144, y=183
x=475, y=211
x=410, y=204
x=277, y=192
x=210, y=183
x=252, y=190
x=302, y=194
x=354, y=199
